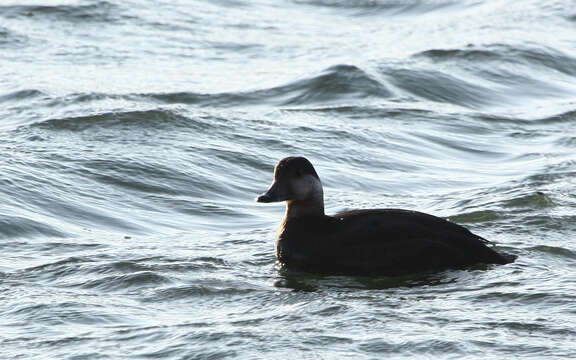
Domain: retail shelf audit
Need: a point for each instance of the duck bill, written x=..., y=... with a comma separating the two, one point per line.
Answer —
x=277, y=192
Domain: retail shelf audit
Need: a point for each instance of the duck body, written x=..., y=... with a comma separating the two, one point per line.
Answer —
x=365, y=242
x=379, y=241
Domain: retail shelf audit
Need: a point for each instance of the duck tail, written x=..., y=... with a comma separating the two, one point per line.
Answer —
x=508, y=258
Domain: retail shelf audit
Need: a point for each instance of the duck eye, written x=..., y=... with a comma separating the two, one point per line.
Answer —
x=298, y=173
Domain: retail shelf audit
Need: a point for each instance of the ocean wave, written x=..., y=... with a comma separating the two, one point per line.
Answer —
x=532, y=55
x=198, y=290
x=189, y=189
x=60, y=271
x=18, y=227
x=438, y=86
x=165, y=264
x=338, y=83
x=563, y=117
x=137, y=280
x=92, y=11
x=391, y=8
x=176, y=188
x=45, y=194
x=20, y=95
x=567, y=117
x=156, y=118
x=555, y=251
x=502, y=74
x=109, y=273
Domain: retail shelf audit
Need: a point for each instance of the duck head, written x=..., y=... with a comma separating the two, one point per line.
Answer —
x=297, y=183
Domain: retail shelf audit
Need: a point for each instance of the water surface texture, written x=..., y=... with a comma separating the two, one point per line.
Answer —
x=134, y=136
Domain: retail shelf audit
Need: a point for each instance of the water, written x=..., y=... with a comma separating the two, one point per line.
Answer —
x=135, y=135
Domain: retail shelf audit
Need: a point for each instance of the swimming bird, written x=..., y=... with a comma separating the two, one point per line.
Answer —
x=364, y=242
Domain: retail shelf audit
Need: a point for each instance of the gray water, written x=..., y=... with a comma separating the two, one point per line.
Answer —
x=134, y=136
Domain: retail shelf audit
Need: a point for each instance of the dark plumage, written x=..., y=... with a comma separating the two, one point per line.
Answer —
x=379, y=241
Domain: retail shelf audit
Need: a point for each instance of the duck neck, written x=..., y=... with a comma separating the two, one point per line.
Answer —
x=299, y=208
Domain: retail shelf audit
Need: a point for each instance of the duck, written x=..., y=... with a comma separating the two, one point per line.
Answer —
x=383, y=241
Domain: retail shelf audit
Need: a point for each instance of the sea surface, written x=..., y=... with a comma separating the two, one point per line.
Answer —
x=135, y=135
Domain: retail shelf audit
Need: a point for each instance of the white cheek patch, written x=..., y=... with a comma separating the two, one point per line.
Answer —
x=307, y=187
